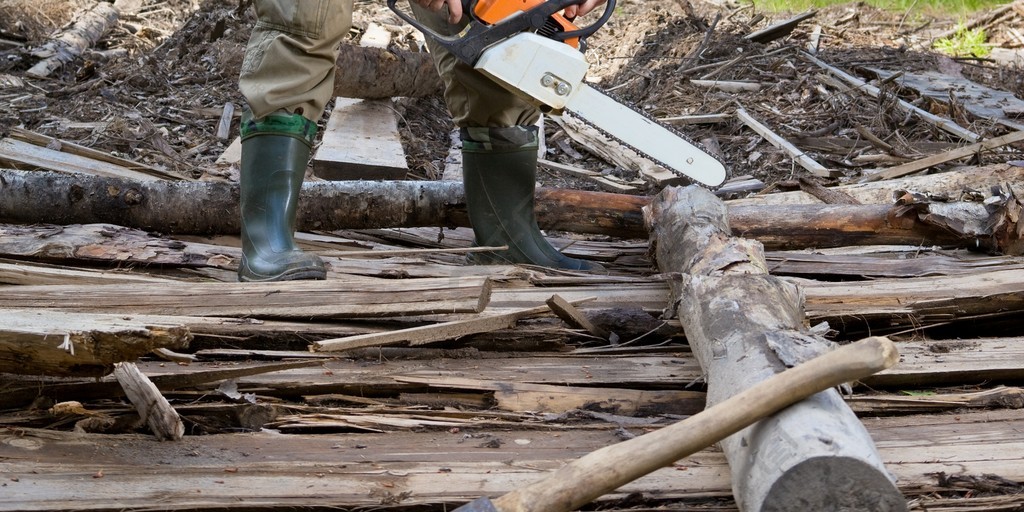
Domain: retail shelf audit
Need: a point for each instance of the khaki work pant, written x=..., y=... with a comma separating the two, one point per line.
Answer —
x=290, y=65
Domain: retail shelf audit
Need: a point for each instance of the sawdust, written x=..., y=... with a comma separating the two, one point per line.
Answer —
x=154, y=88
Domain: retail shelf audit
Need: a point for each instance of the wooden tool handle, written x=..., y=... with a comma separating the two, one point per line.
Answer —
x=604, y=470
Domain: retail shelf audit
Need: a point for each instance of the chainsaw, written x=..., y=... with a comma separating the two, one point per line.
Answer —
x=533, y=50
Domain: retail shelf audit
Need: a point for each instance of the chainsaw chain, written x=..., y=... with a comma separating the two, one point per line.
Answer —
x=651, y=118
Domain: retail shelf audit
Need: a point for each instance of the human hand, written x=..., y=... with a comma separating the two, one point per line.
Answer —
x=582, y=8
x=454, y=8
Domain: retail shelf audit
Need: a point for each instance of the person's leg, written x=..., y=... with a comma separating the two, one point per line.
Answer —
x=287, y=78
x=499, y=159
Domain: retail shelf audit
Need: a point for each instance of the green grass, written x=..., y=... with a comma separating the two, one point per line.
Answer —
x=948, y=7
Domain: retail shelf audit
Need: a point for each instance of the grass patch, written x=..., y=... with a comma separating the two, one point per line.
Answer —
x=964, y=43
x=946, y=7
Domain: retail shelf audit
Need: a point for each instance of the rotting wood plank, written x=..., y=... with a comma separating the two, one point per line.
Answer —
x=64, y=146
x=908, y=262
x=361, y=142
x=57, y=343
x=305, y=300
x=50, y=470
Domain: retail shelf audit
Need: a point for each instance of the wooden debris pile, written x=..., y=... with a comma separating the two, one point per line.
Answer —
x=410, y=380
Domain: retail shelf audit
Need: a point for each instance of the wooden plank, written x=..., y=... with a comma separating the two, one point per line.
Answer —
x=798, y=156
x=908, y=262
x=305, y=300
x=602, y=181
x=52, y=470
x=22, y=155
x=58, y=343
x=375, y=36
x=941, y=158
x=361, y=142
x=64, y=146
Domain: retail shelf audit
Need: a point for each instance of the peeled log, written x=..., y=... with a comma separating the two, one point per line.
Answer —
x=209, y=208
x=744, y=326
x=376, y=73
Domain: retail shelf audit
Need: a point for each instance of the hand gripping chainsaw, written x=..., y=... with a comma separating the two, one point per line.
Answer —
x=530, y=48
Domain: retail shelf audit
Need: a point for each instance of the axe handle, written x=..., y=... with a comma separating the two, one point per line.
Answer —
x=607, y=469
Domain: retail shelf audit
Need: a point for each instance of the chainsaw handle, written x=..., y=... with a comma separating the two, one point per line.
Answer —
x=477, y=37
x=588, y=30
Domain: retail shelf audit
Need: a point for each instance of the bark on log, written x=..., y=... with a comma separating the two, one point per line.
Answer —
x=376, y=73
x=29, y=197
x=745, y=326
x=86, y=31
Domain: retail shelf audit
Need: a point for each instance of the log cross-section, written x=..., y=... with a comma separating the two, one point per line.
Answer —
x=745, y=326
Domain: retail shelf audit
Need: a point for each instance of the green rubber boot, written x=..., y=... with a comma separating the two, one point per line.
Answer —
x=275, y=152
x=499, y=171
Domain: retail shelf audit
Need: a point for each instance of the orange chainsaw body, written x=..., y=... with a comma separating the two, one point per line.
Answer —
x=494, y=11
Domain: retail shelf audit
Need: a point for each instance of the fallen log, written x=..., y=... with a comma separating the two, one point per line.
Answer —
x=66, y=47
x=378, y=73
x=54, y=198
x=744, y=326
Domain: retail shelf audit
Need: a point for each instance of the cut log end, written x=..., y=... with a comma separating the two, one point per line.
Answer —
x=833, y=483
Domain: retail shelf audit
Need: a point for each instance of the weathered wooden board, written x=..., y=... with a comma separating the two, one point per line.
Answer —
x=22, y=155
x=49, y=470
x=297, y=299
x=57, y=343
x=361, y=142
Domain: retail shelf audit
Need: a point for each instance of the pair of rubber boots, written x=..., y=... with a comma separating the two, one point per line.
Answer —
x=499, y=169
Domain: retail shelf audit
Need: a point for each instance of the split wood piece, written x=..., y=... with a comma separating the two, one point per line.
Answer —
x=998, y=397
x=64, y=146
x=885, y=305
x=575, y=318
x=377, y=73
x=779, y=30
x=336, y=205
x=952, y=183
x=361, y=142
x=949, y=156
x=57, y=474
x=546, y=398
x=86, y=31
x=224, y=125
x=696, y=119
x=940, y=122
x=612, y=151
x=375, y=36
x=23, y=155
x=977, y=99
x=745, y=326
x=432, y=333
x=59, y=343
x=728, y=86
x=152, y=407
x=297, y=299
x=778, y=141
x=594, y=176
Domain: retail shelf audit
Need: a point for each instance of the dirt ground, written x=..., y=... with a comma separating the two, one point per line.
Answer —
x=154, y=88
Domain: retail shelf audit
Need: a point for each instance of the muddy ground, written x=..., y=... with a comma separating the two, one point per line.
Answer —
x=154, y=88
